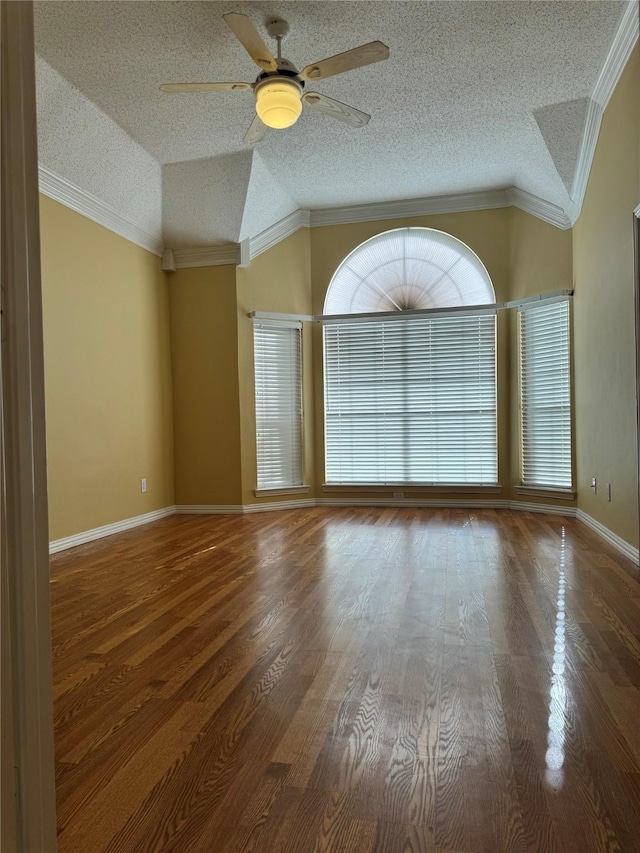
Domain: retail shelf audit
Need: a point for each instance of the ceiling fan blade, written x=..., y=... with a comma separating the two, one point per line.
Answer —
x=256, y=132
x=355, y=58
x=251, y=40
x=203, y=87
x=335, y=109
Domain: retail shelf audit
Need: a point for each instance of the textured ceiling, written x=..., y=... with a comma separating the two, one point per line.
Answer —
x=475, y=95
x=83, y=146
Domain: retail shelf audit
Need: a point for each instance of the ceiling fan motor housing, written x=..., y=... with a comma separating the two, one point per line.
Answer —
x=285, y=69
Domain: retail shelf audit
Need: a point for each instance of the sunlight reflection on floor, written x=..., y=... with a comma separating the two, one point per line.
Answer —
x=554, y=773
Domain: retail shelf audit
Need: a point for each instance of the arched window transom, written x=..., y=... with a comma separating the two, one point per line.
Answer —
x=409, y=268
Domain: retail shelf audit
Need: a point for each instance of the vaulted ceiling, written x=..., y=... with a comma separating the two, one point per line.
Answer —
x=475, y=96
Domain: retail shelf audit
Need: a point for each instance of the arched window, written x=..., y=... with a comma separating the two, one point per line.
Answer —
x=408, y=268
x=410, y=398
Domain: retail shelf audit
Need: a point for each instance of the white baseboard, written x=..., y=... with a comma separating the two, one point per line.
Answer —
x=108, y=529
x=547, y=509
x=184, y=509
x=303, y=503
x=433, y=503
x=452, y=503
x=239, y=509
x=204, y=509
x=609, y=536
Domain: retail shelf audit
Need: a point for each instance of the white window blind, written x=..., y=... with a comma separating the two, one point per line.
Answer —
x=545, y=395
x=411, y=401
x=278, y=376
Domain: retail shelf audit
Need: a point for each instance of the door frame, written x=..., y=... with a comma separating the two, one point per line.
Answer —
x=27, y=730
x=636, y=281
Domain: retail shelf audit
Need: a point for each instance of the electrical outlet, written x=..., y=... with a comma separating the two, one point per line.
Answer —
x=608, y=491
x=398, y=496
x=143, y=484
x=594, y=485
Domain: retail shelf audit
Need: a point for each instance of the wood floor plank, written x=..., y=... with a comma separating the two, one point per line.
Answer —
x=263, y=819
x=115, y=801
x=348, y=680
x=404, y=839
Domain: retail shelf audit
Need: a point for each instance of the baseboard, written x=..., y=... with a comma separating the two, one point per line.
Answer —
x=547, y=509
x=418, y=503
x=239, y=509
x=303, y=503
x=204, y=509
x=451, y=503
x=609, y=536
x=108, y=529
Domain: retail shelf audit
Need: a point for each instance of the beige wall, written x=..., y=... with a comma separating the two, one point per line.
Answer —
x=107, y=374
x=212, y=352
x=604, y=342
x=278, y=280
x=205, y=386
x=540, y=256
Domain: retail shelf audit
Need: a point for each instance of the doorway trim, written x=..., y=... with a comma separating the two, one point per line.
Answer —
x=23, y=518
x=636, y=282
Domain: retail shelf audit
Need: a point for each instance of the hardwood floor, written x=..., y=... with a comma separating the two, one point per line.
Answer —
x=350, y=680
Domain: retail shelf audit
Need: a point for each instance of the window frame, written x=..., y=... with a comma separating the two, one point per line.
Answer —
x=439, y=485
x=264, y=488
x=528, y=488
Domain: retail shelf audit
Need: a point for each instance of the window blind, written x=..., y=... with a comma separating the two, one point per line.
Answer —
x=413, y=401
x=278, y=379
x=545, y=395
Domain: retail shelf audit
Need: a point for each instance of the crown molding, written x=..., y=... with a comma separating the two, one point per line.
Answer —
x=586, y=153
x=623, y=43
x=458, y=203
x=207, y=256
x=87, y=205
x=279, y=231
x=236, y=253
x=619, y=53
x=539, y=207
x=63, y=191
x=229, y=253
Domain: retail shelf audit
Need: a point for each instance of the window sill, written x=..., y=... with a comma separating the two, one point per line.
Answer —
x=283, y=490
x=546, y=492
x=413, y=488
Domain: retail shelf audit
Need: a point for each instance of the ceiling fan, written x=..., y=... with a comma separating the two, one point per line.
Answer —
x=279, y=88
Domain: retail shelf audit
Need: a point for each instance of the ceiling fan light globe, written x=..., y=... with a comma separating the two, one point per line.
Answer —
x=278, y=103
